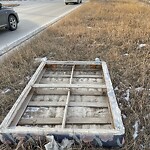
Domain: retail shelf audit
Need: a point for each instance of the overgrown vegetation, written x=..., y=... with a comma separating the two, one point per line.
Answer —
x=117, y=32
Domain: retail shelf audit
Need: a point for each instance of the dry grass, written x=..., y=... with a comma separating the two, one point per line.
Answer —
x=111, y=30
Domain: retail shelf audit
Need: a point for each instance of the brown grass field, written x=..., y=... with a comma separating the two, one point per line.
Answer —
x=116, y=31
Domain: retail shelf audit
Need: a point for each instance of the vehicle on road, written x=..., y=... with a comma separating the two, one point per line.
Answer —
x=8, y=18
x=72, y=1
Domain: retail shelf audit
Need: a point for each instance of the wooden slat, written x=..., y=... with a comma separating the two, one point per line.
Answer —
x=68, y=76
x=77, y=120
x=47, y=91
x=41, y=121
x=73, y=62
x=69, y=86
x=19, y=103
x=26, y=101
x=114, y=109
x=81, y=92
x=22, y=109
x=73, y=98
x=66, y=81
x=68, y=99
x=71, y=104
x=49, y=81
x=69, y=70
x=46, y=104
x=74, y=120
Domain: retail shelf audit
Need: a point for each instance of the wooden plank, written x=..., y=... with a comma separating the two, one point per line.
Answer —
x=22, y=109
x=40, y=121
x=71, y=104
x=73, y=98
x=66, y=110
x=74, y=76
x=69, y=86
x=77, y=70
x=69, y=66
x=68, y=99
x=49, y=81
x=48, y=91
x=114, y=108
x=87, y=120
x=66, y=81
x=74, y=120
x=81, y=92
x=73, y=62
x=18, y=104
x=46, y=104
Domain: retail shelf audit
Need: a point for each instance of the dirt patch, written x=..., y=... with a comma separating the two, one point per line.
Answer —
x=115, y=31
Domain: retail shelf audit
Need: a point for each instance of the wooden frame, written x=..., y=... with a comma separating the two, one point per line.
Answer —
x=16, y=116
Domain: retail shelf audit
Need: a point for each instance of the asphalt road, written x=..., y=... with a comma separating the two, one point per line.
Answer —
x=34, y=15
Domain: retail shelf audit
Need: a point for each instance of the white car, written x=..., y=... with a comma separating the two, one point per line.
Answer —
x=73, y=1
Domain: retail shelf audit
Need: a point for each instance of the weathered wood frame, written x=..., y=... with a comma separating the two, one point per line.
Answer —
x=27, y=93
